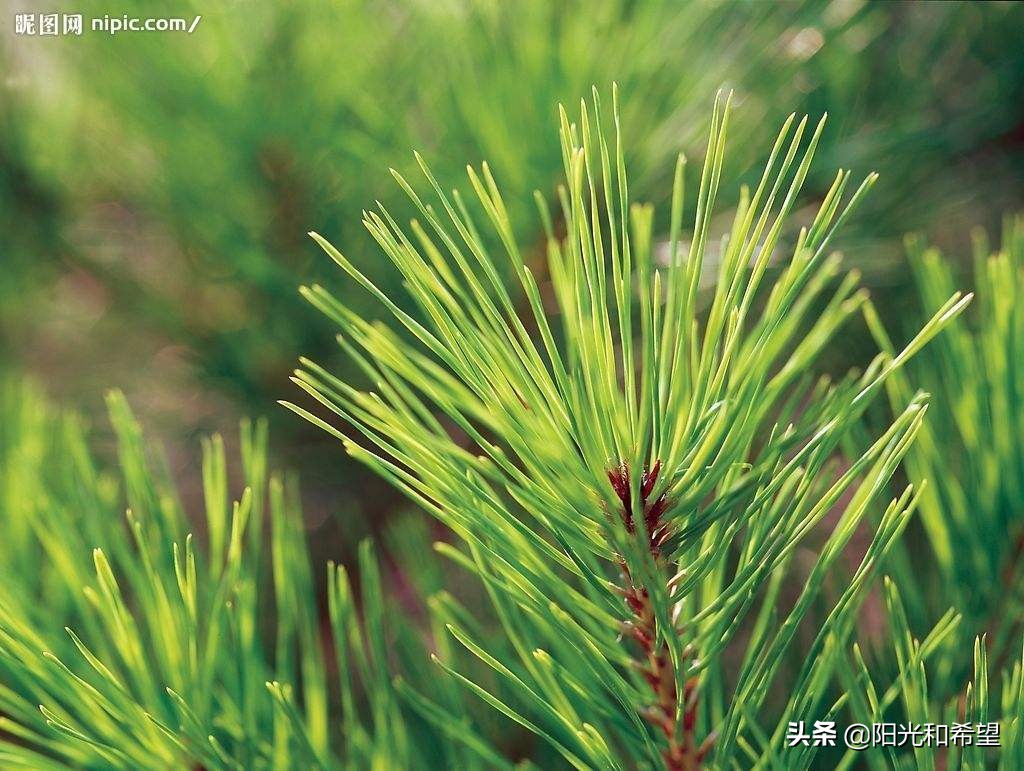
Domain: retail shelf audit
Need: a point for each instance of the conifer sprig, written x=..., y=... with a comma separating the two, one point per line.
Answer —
x=975, y=725
x=966, y=569
x=125, y=643
x=973, y=448
x=630, y=466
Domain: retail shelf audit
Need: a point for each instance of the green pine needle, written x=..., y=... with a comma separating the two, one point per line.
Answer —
x=630, y=464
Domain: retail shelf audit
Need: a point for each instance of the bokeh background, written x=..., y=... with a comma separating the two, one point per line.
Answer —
x=156, y=188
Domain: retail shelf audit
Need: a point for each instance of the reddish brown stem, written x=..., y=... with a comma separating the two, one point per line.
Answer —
x=678, y=726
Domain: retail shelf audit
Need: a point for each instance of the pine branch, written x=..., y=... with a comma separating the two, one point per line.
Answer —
x=969, y=451
x=675, y=721
x=125, y=643
x=629, y=470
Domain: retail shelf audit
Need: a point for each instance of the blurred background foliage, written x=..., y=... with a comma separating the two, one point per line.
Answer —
x=156, y=189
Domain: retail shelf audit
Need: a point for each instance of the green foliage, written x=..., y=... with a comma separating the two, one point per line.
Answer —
x=966, y=567
x=168, y=206
x=654, y=500
x=267, y=120
x=917, y=698
x=970, y=448
x=126, y=644
x=630, y=466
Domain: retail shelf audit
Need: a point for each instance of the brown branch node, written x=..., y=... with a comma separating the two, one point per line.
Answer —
x=655, y=662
